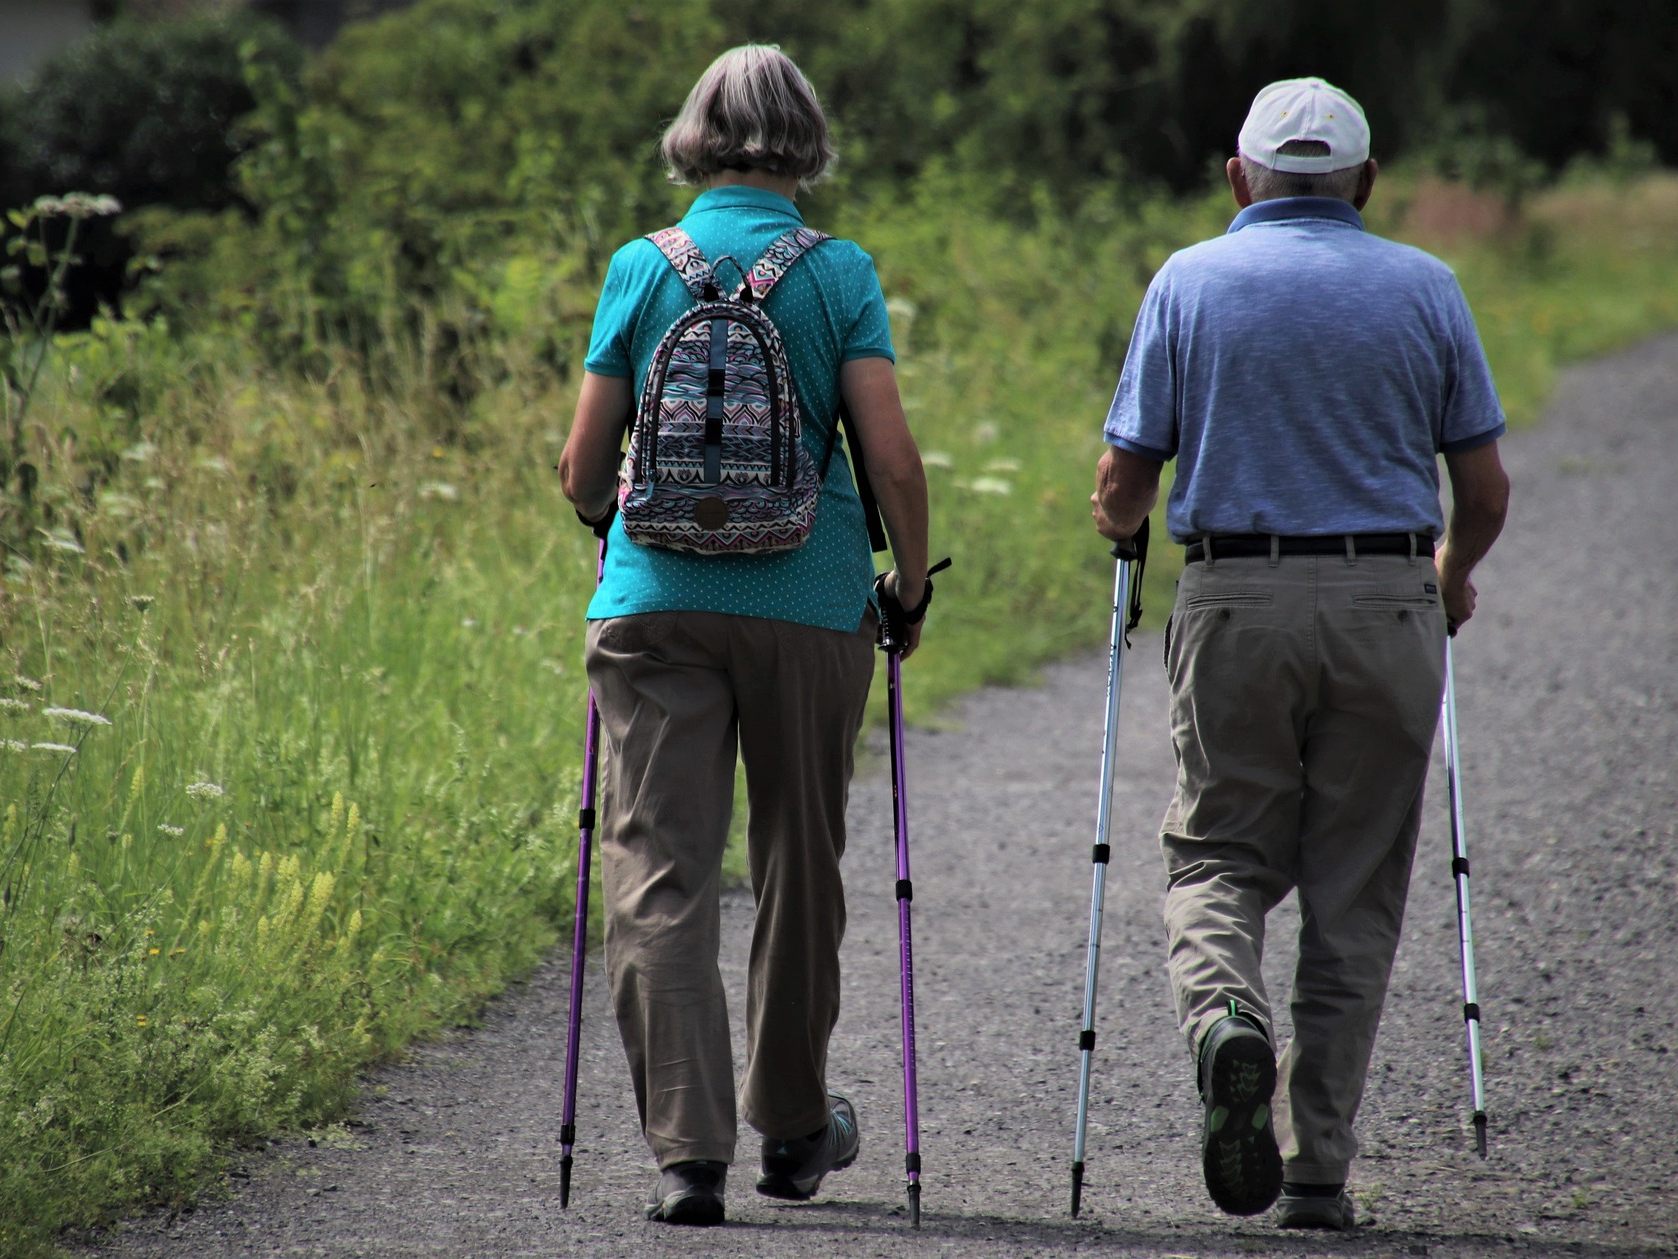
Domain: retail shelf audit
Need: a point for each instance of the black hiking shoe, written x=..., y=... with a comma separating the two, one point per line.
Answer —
x=1315, y=1206
x=689, y=1193
x=793, y=1170
x=1238, y=1146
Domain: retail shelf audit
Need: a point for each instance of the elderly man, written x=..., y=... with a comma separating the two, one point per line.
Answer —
x=1304, y=375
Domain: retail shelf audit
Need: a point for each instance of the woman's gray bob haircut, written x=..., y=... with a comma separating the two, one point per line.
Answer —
x=752, y=110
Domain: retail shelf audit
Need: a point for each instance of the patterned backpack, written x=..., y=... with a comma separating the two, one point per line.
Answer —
x=715, y=462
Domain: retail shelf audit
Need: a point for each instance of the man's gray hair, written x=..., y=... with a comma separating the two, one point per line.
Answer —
x=1266, y=185
x=753, y=109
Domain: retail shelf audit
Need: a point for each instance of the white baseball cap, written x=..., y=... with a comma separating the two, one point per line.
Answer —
x=1305, y=109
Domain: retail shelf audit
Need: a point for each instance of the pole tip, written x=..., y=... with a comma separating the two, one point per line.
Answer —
x=564, y=1182
x=1077, y=1188
x=1480, y=1134
x=914, y=1204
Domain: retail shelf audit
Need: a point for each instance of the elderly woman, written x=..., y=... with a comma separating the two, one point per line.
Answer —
x=697, y=657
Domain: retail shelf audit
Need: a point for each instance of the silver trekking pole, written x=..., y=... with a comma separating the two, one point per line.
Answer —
x=1127, y=593
x=1465, y=929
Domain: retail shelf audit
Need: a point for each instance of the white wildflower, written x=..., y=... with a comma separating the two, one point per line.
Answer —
x=439, y=490
x=204, y=791
x=13, y=745
x=141, y=602
x=28, y=684
x=937, y=459
x=10, y=705
x=989, y=485
x=214, y=463
x=176, y=831
x=76, y=717
x=140, y=452
x=470, y=622
x=52, y=747
x=1003, y=465
x=61, y=540
x=987, y=431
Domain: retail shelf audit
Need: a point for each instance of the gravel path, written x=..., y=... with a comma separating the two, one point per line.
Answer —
x=1568, y=695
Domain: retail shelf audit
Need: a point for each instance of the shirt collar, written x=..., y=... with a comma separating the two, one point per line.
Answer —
x=1283, y=209
x=740, y=196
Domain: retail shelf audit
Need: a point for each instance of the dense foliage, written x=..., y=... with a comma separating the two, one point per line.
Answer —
x=147, y=112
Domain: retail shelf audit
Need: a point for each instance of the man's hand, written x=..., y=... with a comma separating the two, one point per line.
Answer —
x=1103, y=522
x=1480, y=501
x=1456, y=591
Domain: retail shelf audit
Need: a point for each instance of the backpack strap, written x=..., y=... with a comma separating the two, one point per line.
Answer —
x=688, y=259
x=777, y=260
x=864, y=491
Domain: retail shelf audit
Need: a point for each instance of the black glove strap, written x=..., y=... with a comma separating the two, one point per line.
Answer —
x=895, y=619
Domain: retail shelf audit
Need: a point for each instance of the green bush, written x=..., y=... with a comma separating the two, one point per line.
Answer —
x=146, y=111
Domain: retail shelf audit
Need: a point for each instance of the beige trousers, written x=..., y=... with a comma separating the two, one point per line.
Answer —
x=1305, y=693
x=679, y=693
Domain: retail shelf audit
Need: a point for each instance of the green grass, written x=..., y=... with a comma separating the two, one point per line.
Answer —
x=356, y=613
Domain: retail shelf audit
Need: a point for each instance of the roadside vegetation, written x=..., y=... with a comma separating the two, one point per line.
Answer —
x=291, y=616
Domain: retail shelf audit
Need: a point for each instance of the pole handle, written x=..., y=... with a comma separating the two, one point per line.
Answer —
x=895, y=619
x=1134, y=550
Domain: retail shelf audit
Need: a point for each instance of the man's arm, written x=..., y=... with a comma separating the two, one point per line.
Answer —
x=1126, y=487
x=1479, y=503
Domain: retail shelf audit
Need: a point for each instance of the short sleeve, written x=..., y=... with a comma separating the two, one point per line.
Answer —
x=869, y=333
x=1473, y=415
x=608, y=346
x=1143, y=416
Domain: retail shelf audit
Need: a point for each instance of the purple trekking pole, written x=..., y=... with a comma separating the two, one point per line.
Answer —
x=579, y=929
x=893, y=639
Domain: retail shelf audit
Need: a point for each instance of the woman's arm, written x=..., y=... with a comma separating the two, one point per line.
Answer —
x=588, y=467
x=893, y=464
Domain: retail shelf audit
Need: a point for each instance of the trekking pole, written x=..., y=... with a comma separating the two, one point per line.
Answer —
x=893, y=639
x=579, y=927
x=1465, y=930
x=1125, y=592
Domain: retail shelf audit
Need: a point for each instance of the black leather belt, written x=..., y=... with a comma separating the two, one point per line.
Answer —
x=1248, y=545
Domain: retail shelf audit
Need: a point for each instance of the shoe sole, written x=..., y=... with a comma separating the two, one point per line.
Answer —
x=775, y=1185
x=1242, y=1165
x=701, y=1210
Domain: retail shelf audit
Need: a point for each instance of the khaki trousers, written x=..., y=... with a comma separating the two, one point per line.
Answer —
x=678, y=693
x=1305, y=692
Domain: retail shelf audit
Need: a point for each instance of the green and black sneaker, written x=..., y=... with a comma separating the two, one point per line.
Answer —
x=1238, y=1151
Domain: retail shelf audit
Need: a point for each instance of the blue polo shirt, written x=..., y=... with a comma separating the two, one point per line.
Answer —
x=828, y=309
x=1304, y=374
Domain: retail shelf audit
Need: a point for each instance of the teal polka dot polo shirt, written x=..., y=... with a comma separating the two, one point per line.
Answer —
x=828, y=309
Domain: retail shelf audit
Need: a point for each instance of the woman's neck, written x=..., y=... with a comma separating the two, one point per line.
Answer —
x=786, y=185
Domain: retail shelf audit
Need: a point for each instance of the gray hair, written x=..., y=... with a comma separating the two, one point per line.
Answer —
x=753, y=109
x=1266, y=185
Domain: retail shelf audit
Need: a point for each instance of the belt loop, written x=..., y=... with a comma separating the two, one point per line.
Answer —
x=1412, y=538
x=1351, y=551
x=1206, y=549
x=1275, y=549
